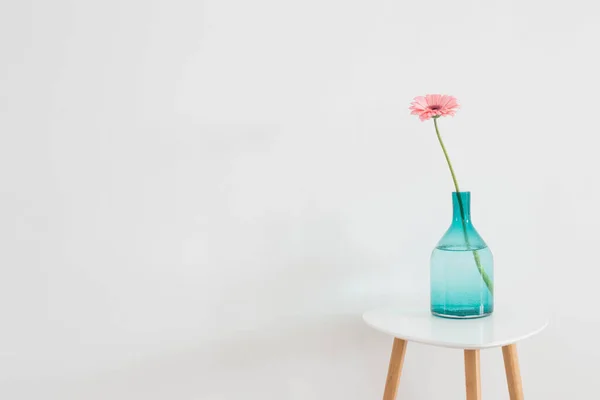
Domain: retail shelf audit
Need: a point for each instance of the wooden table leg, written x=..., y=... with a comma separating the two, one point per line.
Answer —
x=395, y=369
x=472, y=375
x=513, y=373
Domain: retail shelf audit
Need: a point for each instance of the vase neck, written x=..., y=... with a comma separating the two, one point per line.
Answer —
x=461, y=199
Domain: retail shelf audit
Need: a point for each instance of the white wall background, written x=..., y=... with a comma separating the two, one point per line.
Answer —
x=198, y=199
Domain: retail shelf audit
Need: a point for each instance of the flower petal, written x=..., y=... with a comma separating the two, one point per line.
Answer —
x=433, y=105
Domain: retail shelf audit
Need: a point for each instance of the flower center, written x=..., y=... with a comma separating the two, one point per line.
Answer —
x=435, y=107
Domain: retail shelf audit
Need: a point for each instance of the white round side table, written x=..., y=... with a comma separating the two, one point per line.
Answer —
x=504, y=328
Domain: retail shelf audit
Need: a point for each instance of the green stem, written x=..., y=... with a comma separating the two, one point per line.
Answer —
x=484, y=275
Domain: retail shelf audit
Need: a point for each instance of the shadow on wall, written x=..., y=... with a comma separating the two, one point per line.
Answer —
x=288, y=299
x=282, y=240
x=309, y=360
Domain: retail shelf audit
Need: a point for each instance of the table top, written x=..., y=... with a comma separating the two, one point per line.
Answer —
x=505, y=326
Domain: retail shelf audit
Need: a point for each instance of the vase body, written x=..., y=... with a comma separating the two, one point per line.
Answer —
x=462, y=268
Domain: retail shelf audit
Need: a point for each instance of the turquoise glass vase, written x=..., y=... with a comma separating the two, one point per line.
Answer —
x=462, y=268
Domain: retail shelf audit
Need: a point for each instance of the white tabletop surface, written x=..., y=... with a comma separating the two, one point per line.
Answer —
x=505, y=326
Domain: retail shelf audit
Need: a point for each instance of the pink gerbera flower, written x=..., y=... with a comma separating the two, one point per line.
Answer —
x=433, y=105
